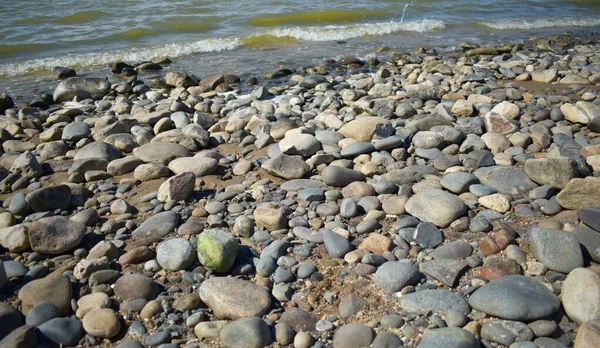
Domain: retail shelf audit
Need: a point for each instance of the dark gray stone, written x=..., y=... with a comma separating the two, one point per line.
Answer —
x=437, y=301
x=246, y=332
x=158, y=225
x=61, y=331
x=427, y=235
x=41, y=313
x=558, y=250
x=50, y=198
x=336, y=245
x=340, y=176
x=393, y=276
x=449, y=337
x=446, y=271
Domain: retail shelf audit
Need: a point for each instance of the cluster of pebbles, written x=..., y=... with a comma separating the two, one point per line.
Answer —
x=427, y=200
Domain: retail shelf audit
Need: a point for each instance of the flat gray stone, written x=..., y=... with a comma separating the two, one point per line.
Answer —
x=444, y=270
x=393, y=276
x=448, y=337
x=158, y=225
x=175, y=254
x=55, y=235
x=558, y=250
x=454, y=250
x=232, y=298
x=506, y=180
x=515, y=297
x=162, y=152
x=436, y=206
x=353, y=335
x=287, y=167
x=340, y=176
x=246, y=332
x=437, y=301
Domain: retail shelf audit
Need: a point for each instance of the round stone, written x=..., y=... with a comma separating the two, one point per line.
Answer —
x=175, y=254
x=102, y=323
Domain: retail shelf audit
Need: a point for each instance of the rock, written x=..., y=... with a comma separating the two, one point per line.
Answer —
x=590, y=216
x=179, y=187
x=515, y=297
x=82, y=88
x=422, y=91
x=232, y=298
x=427, y=235
x=27, y=166
x=10, y=319
x=444, y=270
x=97, y=150
x=93, y=301
x=353, y=335
x=336, y=245
x=579, y=193
x=450, y=337
x=454, y=250
x=498, y=124
x=574, y=113
x=304, y=145
x=506, y=180
x=437, y=301
x=339, y=176
x=246, y=332
x=544, y=75
x=50, y=198
x=367, y=129
x=310, y=81
x=6, y=102
x=287, y=167
x=199, y=166
x=351, y=305
x=588, y=334
x=53, y=288
x=506, y=332
x=581, y=295
x=61, y=331
x=458, y=182
x=558, y=250
x=76, y=131
x=299, y=319
x=496, y=201
x=160, y=152
x=507, y=110
x=15, y=238
x=136, y=286
x=175, y=254
x=151, y=171
x=217, y=250
x=393, y=276
x=435, y=206
x=55, y=235
x=86, y=267
x=102, y=323
x=270, y=216
x=21, y=337
x=158, y=225
x=553, y=171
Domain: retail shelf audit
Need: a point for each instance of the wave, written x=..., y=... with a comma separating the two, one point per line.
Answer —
x=340, y=32
x=106, y=58
x=525, y=24
x=79, y=17
x=330, y=16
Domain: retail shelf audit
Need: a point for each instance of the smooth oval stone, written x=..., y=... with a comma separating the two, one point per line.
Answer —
x=339, y=176
x=357, y=148
x=308, y=234
x=158, y=225
x=437, y=301
x=41, y=313
x=336, y=245
x=449, y=337
x=515, y=297
x=436, y=206
x=232, y=298
x=246, y=332
x=393, y=276
x=353, y=335
x=61, y=331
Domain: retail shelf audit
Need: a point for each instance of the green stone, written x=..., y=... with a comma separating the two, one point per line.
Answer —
x=217, y=250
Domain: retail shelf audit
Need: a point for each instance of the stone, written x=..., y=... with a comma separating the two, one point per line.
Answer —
x=444, y=270
x=102, y=323
x=232, y=298
x=393, y=276
x=581, y=295
x=76, y=131
x=437, y=301
x=50, y=198
x=579, y=193
x=427, y=235
x=435, y=206
x=209, y=329
x=41, y=313
x=250, y=332
x=53, y=288
x=10, y=319
x=506, y=180
x=15, y=238
x=82, y=88
x=136, y=286
x=458, y=182
x=21, y=337
x=61, y=331
x=558, y=250
x=515, y=297
x=336, y=245
x=85, y=268
x=175, y=254
x=55, y=235
x=496, y=201
x=179, y=187
x=422, y=91
x=574, y=113
x=310, y=81
x=162, y=152
x=454, y=250
x=367, y=129
x=27, y=166
x=287, y=167
x=386, y=340
x=551, y=171
x=97, y=150
x=270, y=216
x=304, y=145
x=158, y=225
x=353, y=335
x=199, y=166
x=448, y=337
x=93, y=301
x=544, y=75
x=498, y=124
x=217, y=250
x=588, y=334
x=507, y=109
x=590, y=216
x=351, y=305
x=506, y=332
x=150, y=171
x=339, y=176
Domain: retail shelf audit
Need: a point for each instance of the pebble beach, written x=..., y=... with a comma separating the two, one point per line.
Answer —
x=428, y=198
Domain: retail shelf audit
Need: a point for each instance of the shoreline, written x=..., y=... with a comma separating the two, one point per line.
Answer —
x=419, y=201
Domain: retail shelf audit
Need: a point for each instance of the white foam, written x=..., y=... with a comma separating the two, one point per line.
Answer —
x=345, y=32
x=130, y=56
x=525, y=24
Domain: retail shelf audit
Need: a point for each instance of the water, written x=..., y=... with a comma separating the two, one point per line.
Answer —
x=250, y=38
